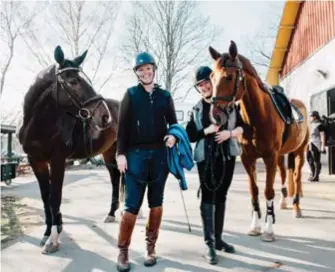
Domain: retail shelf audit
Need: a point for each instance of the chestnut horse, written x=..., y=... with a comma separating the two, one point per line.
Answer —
x=265, y=136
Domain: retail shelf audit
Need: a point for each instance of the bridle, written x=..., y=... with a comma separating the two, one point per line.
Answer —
x=238, y=79
x=84, y=114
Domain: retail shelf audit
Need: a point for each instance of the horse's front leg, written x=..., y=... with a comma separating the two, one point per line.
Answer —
x=271, y=162
x=41, y=172
x=57, y=169
x=250, y=167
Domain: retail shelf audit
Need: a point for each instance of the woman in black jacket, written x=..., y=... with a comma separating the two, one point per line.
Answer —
x=215, y=153
x=145, y=112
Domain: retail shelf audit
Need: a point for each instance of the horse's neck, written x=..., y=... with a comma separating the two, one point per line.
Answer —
x=254, y=105
x=44, y=120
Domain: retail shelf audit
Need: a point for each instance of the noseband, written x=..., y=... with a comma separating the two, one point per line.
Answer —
x=238, y=78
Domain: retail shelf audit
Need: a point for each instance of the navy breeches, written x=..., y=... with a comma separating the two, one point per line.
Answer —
x=146, y=167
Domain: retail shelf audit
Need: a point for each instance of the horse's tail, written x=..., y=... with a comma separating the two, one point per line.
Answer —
x=290, y=166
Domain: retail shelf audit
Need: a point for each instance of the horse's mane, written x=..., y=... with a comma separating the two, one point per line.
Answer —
x=42, y=82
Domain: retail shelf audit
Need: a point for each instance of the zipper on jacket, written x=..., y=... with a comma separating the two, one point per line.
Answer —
x=138, y=128
x=152, y=116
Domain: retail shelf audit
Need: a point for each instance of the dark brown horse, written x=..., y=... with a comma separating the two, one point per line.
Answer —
x=65, y=118
x=265, y=136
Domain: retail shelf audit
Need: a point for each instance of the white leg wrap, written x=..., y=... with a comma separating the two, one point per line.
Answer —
x=269, y=222
x=255, y=221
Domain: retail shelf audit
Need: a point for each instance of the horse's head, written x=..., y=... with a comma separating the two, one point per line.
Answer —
x=227, y=80
x=75, y=94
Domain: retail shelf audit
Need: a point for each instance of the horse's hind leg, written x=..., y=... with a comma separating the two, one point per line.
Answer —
x=282, y=170
x=250, y=166
x=299, y=162
x=41, y=172
x=291, y=167
x=110, y=161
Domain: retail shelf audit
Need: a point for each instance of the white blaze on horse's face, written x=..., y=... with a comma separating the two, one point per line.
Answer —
x=145, y=73
x=205, y=88
x=223, y=83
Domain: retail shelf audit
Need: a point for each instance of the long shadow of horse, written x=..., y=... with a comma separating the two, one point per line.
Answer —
x=31, y=191
x=87, y=260
x=288, y=252
x=295, y=252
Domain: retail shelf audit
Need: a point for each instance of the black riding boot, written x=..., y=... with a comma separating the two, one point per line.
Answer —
x=317, y=172
x=207, y=215
x=312, y=167
x=220, y=244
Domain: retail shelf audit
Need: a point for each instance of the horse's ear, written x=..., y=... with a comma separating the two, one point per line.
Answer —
x=79, y=60
x=59, y=55
x=215, y=54
x=233, y=50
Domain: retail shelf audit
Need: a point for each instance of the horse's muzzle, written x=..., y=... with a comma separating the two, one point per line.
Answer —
x=106, y=119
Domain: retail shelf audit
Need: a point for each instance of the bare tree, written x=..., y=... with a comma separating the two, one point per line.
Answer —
x=16, y=19
x=79, y=25
x=174, y=32
x=261, y=44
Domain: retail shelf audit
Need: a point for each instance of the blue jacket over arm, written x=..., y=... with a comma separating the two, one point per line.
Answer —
x=180, y=155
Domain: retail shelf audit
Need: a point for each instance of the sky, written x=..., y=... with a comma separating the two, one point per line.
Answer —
x=239, y=20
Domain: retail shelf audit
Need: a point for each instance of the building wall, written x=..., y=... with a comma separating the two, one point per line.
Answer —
x=315, y=27
x=305, y=80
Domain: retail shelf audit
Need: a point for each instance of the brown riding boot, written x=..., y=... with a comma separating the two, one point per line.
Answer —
x=152, y=229
x=126, y=229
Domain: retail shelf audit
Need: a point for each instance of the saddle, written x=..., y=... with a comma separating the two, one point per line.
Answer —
x=287, y=111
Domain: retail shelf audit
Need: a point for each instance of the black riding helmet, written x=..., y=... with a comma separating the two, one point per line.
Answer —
x=142, y=59
x=201, y=74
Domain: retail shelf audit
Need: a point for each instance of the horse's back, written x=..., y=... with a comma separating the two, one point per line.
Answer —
x=113, y=106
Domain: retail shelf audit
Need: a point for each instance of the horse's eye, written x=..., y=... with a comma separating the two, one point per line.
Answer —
x=229, y=78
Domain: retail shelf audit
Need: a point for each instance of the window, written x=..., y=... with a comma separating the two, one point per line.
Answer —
x=180, y=115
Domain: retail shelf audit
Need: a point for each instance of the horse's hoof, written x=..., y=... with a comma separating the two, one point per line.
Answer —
x=255, y=231
x=110, y=219
x=44, y=240
x=268, y=237
x=297, y=214
x=50, y=248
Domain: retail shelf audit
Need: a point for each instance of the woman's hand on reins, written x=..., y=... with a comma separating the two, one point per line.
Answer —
x=222, y=136
x=122, y=163
x=211, y=129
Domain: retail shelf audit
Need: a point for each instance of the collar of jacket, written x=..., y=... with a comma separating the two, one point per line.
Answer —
x=141, y=87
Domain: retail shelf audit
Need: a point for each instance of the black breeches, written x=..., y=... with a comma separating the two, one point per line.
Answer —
x=313, y=155
x=207, y=183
